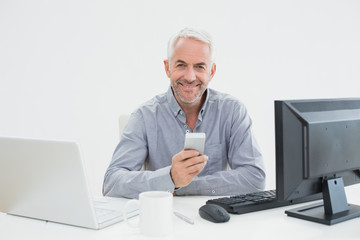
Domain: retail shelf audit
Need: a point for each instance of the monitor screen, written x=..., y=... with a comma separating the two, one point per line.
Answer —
x=317, y=154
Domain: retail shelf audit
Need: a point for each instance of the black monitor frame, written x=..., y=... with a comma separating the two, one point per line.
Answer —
x=310, y=137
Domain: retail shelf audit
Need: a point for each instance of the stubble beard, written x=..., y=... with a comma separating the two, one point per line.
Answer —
x=196, y=98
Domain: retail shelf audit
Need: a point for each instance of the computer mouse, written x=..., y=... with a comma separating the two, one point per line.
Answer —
x=214, y=213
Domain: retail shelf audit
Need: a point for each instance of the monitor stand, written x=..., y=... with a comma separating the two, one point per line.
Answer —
x=333, y=210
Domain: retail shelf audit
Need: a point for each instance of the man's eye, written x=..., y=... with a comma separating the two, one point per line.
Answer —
x=200, y=67
x=180, y=65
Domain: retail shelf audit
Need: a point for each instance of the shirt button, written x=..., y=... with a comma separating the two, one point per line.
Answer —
x=187, y=131
x=213, y=191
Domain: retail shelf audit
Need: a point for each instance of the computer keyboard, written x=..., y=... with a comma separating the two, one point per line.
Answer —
x=250, y=202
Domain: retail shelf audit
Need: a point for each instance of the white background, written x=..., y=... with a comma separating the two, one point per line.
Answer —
x=68, y=69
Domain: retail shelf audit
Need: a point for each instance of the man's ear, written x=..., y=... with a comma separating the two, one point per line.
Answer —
x=167, y=67
x=213, y=70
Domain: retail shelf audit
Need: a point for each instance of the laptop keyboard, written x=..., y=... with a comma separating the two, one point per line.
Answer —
x=100, y=212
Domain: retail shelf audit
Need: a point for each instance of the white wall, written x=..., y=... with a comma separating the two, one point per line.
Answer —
x=69, y=68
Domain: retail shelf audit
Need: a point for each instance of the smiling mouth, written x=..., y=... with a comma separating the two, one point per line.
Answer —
x=188, y=86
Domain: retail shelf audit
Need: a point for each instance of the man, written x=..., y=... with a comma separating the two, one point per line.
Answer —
x=155, y=133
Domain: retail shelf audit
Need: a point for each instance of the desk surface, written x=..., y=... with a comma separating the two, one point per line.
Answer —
x=272, y=224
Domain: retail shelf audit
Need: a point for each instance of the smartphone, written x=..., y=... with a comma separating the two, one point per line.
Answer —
x=195, y=141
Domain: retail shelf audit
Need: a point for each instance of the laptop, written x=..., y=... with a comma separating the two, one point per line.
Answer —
x=46, y=180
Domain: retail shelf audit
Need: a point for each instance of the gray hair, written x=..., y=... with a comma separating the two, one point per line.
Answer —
x=199, y=35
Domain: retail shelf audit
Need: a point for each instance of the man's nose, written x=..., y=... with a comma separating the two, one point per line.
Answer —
x=190, y=74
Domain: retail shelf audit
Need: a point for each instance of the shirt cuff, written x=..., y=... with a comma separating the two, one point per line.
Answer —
x=165, y=180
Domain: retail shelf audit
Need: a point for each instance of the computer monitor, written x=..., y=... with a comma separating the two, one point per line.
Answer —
x=318, y=152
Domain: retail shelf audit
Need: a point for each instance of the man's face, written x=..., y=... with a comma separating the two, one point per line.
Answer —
x=190, y=71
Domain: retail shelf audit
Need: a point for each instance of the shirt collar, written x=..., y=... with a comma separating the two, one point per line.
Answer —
x=175, y=107
x=202, y=111
x=173, y=104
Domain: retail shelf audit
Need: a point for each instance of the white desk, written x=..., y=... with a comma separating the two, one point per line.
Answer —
x=271, y=224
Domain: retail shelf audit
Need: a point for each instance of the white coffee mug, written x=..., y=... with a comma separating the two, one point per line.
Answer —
x=156, y=213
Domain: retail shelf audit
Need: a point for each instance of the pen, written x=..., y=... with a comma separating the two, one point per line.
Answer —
x=184, y=218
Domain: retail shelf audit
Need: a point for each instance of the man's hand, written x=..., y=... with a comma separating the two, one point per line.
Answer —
x=185, y=166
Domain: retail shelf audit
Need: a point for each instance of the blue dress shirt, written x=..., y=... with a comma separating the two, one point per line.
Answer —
x=156, y=131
